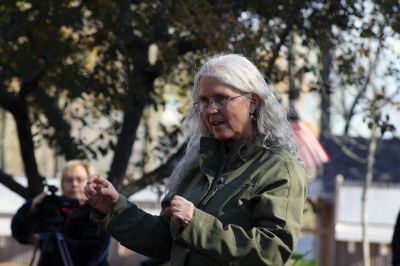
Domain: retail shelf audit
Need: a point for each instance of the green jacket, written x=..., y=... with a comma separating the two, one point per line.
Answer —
x=249, y=205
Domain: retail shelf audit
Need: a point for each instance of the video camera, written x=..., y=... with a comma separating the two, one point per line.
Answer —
x=51, y=206
x=52, y=242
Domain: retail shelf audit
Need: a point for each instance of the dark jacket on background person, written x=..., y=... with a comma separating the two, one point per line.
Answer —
x=396, y=243
x=87, y=245
x=249, y=203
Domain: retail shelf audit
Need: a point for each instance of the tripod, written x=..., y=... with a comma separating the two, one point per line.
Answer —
x=48, y=239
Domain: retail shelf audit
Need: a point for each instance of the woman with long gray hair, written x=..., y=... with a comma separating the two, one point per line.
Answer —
x=237, y=196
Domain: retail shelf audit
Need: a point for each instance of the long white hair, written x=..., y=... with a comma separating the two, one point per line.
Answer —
x=239, y=72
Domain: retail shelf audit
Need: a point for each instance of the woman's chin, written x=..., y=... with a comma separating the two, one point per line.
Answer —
x=73, y=195
x=222, y=136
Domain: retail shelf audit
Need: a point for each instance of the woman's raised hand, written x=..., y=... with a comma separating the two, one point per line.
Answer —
x=100, y=194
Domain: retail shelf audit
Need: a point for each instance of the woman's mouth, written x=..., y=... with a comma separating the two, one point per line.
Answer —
x=216, y=123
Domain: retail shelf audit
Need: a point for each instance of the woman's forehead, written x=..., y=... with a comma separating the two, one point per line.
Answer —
x=212, y=84
x=77, y=170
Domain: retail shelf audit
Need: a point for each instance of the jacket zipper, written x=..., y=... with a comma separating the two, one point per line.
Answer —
x=206, y=198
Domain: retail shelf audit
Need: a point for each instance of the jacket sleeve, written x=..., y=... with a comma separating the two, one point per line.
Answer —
x=276, y=213
x=137, y=230
x=24, y=224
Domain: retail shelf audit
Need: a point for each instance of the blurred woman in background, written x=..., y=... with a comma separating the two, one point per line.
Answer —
x=40, y=220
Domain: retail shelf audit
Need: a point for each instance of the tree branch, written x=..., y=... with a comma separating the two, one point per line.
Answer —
x=18, y=108
x=372, y=67
x=348, y=151
x=276, y=49
x=160, y=173
x=31, y=83
x=9, y=182
x=8, y=100
x=62, y=128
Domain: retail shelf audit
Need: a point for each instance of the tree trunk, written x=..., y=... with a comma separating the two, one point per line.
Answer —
x=27, y=149
x=19, y=110
x=326, y=55
x=2, y=137
x=137, y=94
x=364, y=198
x=293, y=91
x=123, y=149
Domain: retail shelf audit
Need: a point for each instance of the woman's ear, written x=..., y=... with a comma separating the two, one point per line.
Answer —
x=254, y=102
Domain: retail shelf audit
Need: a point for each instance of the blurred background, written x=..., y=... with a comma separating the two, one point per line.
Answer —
x=111, y=82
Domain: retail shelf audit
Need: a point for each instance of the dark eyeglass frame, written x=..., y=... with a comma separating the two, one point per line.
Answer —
x=220, y=103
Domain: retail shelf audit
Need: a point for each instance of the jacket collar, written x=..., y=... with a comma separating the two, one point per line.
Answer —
x=216, y=155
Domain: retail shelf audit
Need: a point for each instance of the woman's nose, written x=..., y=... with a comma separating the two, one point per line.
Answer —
x=212, y=107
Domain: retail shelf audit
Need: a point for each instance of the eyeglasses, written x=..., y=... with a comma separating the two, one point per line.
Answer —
x=219, y=102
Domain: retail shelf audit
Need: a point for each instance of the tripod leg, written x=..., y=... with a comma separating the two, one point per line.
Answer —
x=63, y=248
x=45, y=240
x=34, y=255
